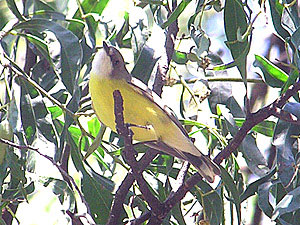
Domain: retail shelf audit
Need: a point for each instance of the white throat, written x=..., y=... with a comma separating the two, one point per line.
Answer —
x=102, y=66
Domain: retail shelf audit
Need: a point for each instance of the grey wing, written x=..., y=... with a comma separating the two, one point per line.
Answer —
x=202, y=163
x=152, y=96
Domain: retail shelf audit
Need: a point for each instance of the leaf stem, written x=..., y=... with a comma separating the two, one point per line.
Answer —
x=223, y=79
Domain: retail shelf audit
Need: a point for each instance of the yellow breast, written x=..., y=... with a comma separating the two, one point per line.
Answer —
x=138, y=110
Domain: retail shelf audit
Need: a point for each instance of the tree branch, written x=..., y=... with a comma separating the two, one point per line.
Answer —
x=164, y=62
x=129, y=154
x=286, y=116
x=254, y=119
x=123, y=189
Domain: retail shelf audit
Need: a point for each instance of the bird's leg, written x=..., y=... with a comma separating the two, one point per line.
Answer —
x=147, y=127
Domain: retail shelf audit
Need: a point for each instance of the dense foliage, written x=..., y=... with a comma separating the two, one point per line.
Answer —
x=46, y=119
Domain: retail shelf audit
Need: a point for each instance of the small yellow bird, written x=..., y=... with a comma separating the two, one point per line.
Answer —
x=144, y=108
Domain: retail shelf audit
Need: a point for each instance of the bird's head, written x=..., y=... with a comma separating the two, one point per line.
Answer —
x=110, y=64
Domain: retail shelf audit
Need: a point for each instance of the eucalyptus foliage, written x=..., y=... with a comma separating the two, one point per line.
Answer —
x=46, y=53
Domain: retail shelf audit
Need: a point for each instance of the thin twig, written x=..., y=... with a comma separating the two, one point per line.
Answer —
x=164, y=62
x=21, y=147
x=286, y=116
x=25, y=77
x=223, y=79
x=182, y=173
x=141, y=219
x=63, y=172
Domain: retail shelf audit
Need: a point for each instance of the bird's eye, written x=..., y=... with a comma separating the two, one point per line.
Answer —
x=116, y=62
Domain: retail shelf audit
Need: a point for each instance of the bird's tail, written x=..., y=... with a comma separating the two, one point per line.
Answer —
x=203, y=164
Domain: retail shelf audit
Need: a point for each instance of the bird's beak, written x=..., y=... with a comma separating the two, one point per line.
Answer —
x=106, y=48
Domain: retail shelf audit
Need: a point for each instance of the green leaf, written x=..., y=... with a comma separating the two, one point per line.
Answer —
x=16, y=168
x=225, y=66
x=75, y=133
x=232, y=189
x=55, y=111
x=48, y=79
x=253, y=156
x=197, y=11
x=253, y=187
x=122, y=33
x=80, y=142
x=209, y=198
x=176, y=13
x=290, y=203
x=61, y=189
x=205, y=129
x=13, y=115
x=98, y=132
x=221, y=92
x=88, y=7
x=293, y=76
x=44, y=121
x=35, y=116
x=28, y=117
x=5, y=133
x=144, y=64
x=177, y=213
x=235, y=19
x=293, y=13
x=266, y=127
x=263, y=193
x=11, y=4
x=99, y=198
x=180, y=57
x=285, y=141
x=48, y=14
x=40, y=45
x=160, y=169
x=19, y=192
x=276, y=12
x=40, y=5
x=94, y=126
x=274, y=76
x=71, y=52
x=295, y=39
x=93, y=187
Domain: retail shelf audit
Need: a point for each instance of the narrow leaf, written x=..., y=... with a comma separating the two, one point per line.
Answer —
x=71, y=52
x=290, y=203
x=11, y=4
x=232, y=189
x=253, y=187
x=286, y=143
x=266, y=127
x=276, y=12
x=274, y=76
x=40, y=45
x=176, y=13
x=180, y=57
x=235, y=19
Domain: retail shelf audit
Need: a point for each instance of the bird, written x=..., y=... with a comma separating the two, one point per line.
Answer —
x=156, y=125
